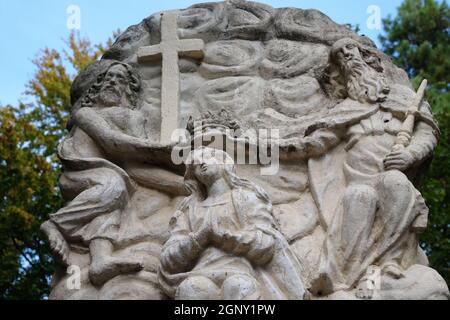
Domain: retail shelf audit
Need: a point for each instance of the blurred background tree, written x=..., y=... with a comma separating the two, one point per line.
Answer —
x=29, y=168
x=418, y=40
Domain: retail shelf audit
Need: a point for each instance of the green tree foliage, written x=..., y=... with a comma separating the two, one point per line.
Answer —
x=29, y=168
x=418, y=39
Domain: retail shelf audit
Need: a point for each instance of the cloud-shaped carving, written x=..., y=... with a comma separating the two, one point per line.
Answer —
x=231, y=58
x=287, y=59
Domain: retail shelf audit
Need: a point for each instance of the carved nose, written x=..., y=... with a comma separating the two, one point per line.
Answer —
x=348, y=54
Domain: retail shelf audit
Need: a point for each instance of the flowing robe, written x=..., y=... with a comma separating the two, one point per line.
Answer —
x=371, y=215
x=97, y=189
x=242, y=213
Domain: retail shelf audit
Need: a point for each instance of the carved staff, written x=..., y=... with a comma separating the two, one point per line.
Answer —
x=404, y=136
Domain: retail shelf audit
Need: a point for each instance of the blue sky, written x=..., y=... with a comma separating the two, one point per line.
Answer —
x=28, y=26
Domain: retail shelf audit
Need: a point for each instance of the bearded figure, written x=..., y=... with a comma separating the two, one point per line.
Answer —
x=356, y=73
x=105, y=125
x=369, y=207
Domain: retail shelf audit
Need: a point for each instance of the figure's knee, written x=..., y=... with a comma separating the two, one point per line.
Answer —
x=117, y=186
x=75, y=183
x=71, y=186
x=108, y=177
x=394, y=179
x=360, y=200
x=241, y=287
x=108, y=186
x=197, y=288
x=396, y=191
x=360, y=193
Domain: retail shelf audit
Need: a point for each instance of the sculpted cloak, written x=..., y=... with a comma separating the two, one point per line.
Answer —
x=240, y=210
x=399, y=212
x=96, y=188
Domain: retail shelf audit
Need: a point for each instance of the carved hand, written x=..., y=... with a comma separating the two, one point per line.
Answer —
x=263, y=248
x=203, y=235
x=293, y=144
x=257, y=246
x=398, y=160
x=221, y=238
x=314, y=145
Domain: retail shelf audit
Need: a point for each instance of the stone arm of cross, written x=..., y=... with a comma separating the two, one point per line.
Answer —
x=114, y=142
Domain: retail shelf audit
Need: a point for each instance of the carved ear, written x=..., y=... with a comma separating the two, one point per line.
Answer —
x=135, y=82
x=135, y=79
x=100, y=78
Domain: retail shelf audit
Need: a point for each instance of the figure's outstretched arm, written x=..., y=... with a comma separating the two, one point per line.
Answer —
x=313, y=145
x=115, y=142
x=155, y=177
x=321, y=141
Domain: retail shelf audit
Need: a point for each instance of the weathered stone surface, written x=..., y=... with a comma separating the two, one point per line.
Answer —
x=341, y=216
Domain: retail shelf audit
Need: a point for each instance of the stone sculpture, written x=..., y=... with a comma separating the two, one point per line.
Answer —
x=380, y=212
x=224, y=243
x=340, y=219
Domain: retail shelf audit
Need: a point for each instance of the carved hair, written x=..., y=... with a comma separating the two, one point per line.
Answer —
x=198, y=190
x=365, y=81
x=369, y=55
x=132, y=92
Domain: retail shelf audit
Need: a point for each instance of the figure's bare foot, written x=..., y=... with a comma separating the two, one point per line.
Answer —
x=58, y=244
x=102, y=270
x=321, y=285
x=393, y=270
x=365, y=289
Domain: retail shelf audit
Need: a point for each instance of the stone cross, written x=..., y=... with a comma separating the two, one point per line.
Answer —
x=169, y=50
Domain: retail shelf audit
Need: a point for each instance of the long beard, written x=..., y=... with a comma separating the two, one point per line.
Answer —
x=110, y=96
x=363, y=83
